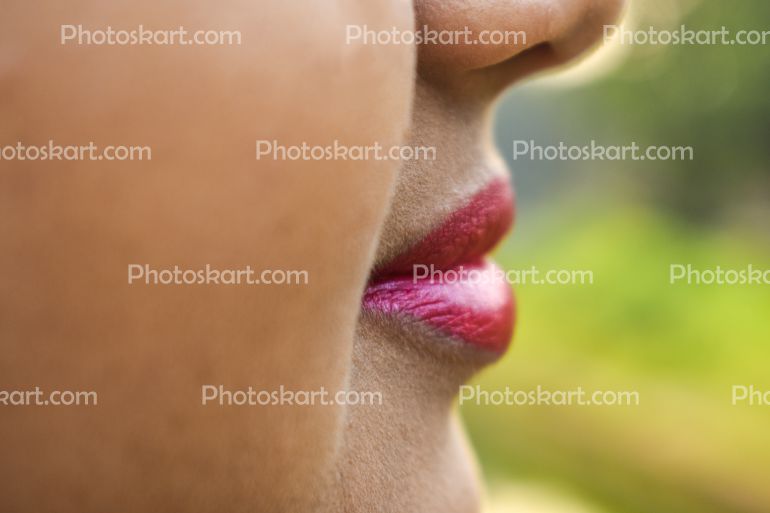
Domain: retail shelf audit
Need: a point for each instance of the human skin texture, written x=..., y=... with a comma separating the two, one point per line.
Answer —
x=68, y=230
x=409, y=455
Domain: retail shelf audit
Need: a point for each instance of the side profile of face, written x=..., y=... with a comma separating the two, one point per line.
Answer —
x=69, y=230
x=410, y=454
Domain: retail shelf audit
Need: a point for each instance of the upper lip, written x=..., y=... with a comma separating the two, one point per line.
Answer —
x=480, y=313
x=464, y=237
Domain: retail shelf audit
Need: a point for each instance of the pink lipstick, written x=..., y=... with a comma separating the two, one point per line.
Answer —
x=445, y=281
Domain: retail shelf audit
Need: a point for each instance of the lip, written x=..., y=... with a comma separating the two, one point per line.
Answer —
x=445, y=280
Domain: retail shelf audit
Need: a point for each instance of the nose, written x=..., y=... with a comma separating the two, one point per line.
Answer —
x=492, y=43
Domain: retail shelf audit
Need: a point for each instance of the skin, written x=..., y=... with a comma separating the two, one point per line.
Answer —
x=68, y=320
x=420, y=463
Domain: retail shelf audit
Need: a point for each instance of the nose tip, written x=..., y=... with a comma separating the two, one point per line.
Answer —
x=497, y=42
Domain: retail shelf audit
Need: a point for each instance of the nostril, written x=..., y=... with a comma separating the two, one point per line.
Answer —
x=536, y=58
x=556, y=32
x=540, y=53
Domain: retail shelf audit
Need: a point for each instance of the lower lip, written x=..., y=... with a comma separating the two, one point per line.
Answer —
x=472, y=303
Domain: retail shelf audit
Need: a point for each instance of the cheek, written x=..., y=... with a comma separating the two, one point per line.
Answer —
x=314, y=79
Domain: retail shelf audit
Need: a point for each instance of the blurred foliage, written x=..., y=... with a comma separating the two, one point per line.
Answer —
x=686, y=448
x=713, y=98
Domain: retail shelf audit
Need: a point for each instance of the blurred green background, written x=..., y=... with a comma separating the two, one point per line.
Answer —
x=686, y=448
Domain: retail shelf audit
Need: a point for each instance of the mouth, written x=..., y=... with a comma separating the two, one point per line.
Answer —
x=446, y=282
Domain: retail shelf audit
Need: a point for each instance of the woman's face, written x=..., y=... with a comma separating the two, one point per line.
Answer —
x=359, y=227
x=418, y=343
